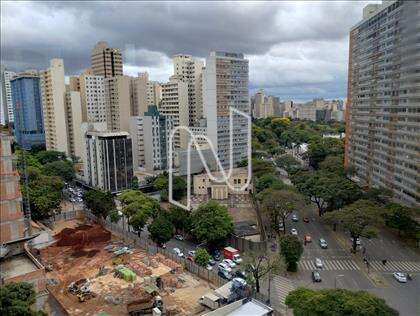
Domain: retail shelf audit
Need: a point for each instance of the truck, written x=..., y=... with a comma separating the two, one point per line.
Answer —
x=210, y=300
x=145, y=305
x=232, y=254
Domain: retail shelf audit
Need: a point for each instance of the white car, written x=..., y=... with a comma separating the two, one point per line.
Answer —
x=178, y=252
x=295, y=218
x=400, y=277
x=209, y=267
x=224, y=267
x=191, y=253
x=229, y=262
x=294, y=231
x=318, y=263
x=237, y=259
x=179, y=237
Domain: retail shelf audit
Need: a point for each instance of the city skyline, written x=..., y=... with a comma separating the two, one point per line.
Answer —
x=302, y=35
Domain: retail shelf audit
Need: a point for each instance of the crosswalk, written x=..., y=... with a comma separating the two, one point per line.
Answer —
x=281, y=286
x=329, y=265
x=393, y=266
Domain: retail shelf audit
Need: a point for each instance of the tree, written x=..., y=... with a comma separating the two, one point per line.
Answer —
x=321, y=148
x=99, y=202
x=331, y=302
x=333, y=164
x=17, y=298
x=161, y=229
x=179, y=186
x=48, y=156
x=114, y=216
x=359, y=219
x=289, y=163
x=291, y=249
x=135, y=183
x=211, y=223
x=269, y=181
x=380, y=196
x=262, y=167
x=60, y=168
x=403, y=219
x=278, y=205
x=202, y=257
x=180, y=218
x=260, y=264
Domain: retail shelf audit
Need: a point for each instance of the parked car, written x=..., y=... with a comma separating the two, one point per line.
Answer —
x=216, y=255
x=293, y=231
x=400, y=277
x=178, y=252
x=322, y=243
x=306, y=220
x=232, y=254
x=225, y=275
x=224, y=267
x=318, y=263
x=229, y=262
x=191, y=253
x=240, y=274
x=316, y=277
x=295, y=218
x=209, y=267
x=179, y=237
x=358, y=242
x=308, y=238
x=212, y=262
x=281, y=226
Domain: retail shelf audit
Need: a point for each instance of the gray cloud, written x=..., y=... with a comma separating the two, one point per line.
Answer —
x=289, y=44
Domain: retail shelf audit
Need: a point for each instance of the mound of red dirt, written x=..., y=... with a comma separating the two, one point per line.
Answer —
x=82, y=235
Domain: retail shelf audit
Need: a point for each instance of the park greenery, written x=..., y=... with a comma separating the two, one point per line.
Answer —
x=331, y=302
x=46, y=173
x=161, y=183
x=161, y=229
x=17, y=299
x=202, y=257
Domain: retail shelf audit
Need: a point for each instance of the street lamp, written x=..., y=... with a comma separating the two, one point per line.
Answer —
x=335, y=279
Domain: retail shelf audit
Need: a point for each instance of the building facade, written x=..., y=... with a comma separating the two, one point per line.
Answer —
x=27, y=109
x=383, y=102
x=106, y=61
x=53, y=90
x=6, y=96
x=118, y=103
x=139, y=94
x=109, y=160
x=73, y=112
x=226, y=86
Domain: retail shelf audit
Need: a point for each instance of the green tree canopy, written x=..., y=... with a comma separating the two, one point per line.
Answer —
x=269, y=181
x=321, y=148
x=161, y=229
x=403, y=219
x=332, y=302
x=48, y=156
x=179, y=186
x=289, y=163
x=211, y=223
x=291, y=249
x=60, y=168
x=17, y=298
x=180, y=218
x=333, y=164
x=99, y=202
x=202, y=257
x=359, y=219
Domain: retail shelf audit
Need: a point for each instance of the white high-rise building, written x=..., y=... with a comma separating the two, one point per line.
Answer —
x=53, y=90
x=6, y=114
x=189, y=70
x=226, y=86
x=175, y=105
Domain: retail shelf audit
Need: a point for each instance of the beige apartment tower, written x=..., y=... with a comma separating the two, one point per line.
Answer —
x=106, y=61
x=118, y=103
x=382, y=114
x=54, y=106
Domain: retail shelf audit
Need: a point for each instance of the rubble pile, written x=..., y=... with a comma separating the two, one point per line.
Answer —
x=82, y=235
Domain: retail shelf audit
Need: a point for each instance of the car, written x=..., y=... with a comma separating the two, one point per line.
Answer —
x=224, y=267
x=179, y=237
x=281, y=226
x=238, y=282
x=237, y=259
x=306, y=220
x=216, y=255
x=240, y=274
x=212, y=262
x=318, y=263
x=225, y=275
x=400, y=277
x=229, y=262
x=358, y=242
x=191, y=253
x=178, y=252
x=295, y=218
x=322, y=243
x=308, y=238
x=293, y=231
x=209, y=267
x=316, y=277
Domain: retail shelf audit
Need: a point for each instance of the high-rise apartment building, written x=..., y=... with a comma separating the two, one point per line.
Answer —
x=106, y=61
x=118, y=103
x=109, y=160
x=154, y=93
x=139, y=89
x=226, y=86
x=73, y=112
x=264, y=106
x=92, y=95
x=27, y=109
x=307, y=111
x=382, y=114
x=150, y=136
x=54, y=106
x=189, y=70
x=175, y=105
x=6, y=96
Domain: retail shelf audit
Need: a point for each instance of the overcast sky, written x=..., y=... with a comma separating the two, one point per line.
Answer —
x=297, y=50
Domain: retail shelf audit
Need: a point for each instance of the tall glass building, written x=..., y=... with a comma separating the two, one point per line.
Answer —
x=27, y=109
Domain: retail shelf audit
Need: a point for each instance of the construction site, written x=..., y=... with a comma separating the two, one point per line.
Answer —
x=92, y=272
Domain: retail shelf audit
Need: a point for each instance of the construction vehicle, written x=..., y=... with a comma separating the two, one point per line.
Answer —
x=81, y=289
x=144, y=306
